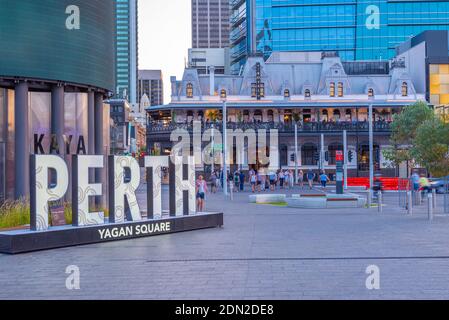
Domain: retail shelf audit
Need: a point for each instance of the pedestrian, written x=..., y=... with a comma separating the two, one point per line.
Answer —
x=424, y=184
x=272, y=178
x=310, y=178
x=201, y=189
x=259, y=181
x=324, y=179
x=253, y=180
x=291, y=179
x=281, y=179
x=301, y=179
x=213, y=182
x=415, y=181
x=237, y=181
x=242, y=181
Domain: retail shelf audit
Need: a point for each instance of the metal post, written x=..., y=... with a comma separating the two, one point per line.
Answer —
x=225, y=146
x=371, y=147
x=213, y=147
x=429, y=206
x=231, y=190
x=296, y=153
x=434, y=198
x=409, y=202
x=322, y=153
x=379, y=201
x=345, y=159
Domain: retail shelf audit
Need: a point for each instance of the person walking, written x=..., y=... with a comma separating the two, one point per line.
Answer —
x=253, y=180
x=281, y=179
x=272, y=177
x=291, y=179
x=201, y=189
x=415, y=181
x=424, y=184
x=259, y=181
x=237, y=181
x=324, y=179
x=213, y=182
x=310, y=178
x=242, y=181
x=301, y=179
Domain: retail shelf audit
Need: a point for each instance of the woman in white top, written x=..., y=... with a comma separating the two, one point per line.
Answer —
x=201, y=189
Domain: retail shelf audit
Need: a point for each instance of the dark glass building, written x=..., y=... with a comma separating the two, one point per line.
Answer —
x=56, y=70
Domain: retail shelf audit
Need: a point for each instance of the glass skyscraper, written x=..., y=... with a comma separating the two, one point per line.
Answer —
x=357, y=29
x=126, y=46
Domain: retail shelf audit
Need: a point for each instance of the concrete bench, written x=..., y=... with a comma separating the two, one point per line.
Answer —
x=328, y=201
x=267, y=198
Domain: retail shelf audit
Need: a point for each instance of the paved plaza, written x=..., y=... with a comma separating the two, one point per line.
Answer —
x=262, y=252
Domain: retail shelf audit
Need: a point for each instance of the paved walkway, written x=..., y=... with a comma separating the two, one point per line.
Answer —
x=263, y=252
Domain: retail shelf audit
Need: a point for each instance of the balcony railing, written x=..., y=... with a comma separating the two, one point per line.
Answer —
x=354, y=126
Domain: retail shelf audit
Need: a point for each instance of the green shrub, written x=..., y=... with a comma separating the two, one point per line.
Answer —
x=17, y=214
x=14, y=214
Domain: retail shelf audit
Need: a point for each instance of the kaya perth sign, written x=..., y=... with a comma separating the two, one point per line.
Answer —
x=125, y=218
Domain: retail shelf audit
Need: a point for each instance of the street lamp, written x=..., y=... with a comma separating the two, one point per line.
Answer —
x=371, y=152
x=225, y=143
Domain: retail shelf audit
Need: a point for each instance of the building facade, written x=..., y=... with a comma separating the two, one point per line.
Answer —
x=126, y=50
x=358, y=30
x=52, y=94
x=151, y=85
x=318, y=92
x=202, y=59
x=210, y=23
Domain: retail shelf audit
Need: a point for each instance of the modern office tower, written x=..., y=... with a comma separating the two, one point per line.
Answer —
x=210, y=23
x=127, y=52
x=356, y=29
x=151, y=85
x=238, y=37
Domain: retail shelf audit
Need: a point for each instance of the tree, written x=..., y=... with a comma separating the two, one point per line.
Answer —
x=404, y=127
x=431, y=146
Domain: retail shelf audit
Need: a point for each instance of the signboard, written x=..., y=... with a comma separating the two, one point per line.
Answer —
x=339, y=157
x=92, y=227
x=57, y=213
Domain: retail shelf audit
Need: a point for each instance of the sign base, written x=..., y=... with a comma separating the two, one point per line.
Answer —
x=21, y=241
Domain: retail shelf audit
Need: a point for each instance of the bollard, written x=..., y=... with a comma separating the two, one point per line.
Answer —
x=409, y=203
x=379, y=201
x=434, y=198
x=368, y=194
x=231, y=189
x=429, y=206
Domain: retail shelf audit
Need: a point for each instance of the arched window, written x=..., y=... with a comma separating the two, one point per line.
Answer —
x=325, y=115
x=332, y=89
x=370, y=92
x=336, y=115
x=307, y=93
x=189, y=90
x=286, y=93
x=223, y=94
x=270, y=115
x=340, y=89
x=404, y=89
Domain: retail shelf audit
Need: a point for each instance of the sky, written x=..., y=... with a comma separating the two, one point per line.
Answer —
x=164, y=37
